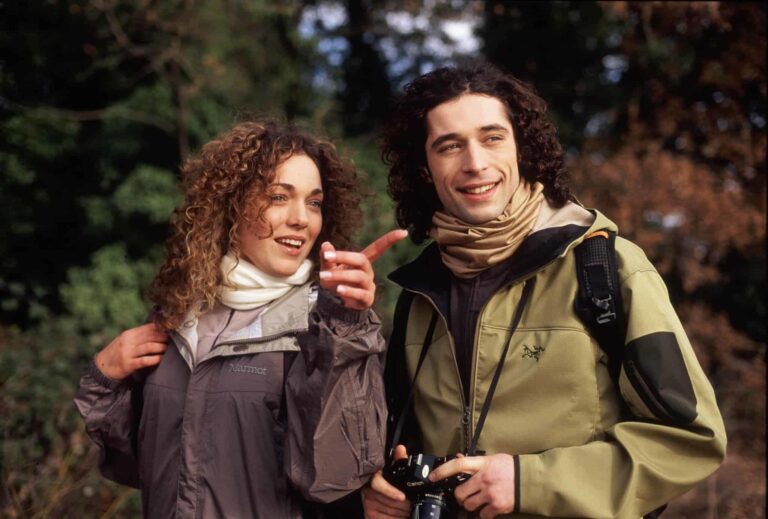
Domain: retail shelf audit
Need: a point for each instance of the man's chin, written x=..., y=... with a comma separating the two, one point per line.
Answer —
x=480, y=218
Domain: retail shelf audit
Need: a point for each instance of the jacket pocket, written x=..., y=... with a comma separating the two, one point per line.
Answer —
x=656, y=369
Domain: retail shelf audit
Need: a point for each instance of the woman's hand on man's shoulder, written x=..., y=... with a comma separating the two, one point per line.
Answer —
x=133, y=349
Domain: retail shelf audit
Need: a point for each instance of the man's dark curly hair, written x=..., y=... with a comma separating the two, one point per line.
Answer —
x=540, y=155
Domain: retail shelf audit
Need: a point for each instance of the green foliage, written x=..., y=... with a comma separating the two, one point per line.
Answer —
x=107, y=296
x=47, y=463
x=148, y=191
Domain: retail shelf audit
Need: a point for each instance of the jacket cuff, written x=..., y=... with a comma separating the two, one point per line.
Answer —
x=332, y=306
x=516, y=461
x=95, y=373
x=532, y=477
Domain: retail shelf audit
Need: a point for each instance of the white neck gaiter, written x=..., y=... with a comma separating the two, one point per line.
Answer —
x=245, y=287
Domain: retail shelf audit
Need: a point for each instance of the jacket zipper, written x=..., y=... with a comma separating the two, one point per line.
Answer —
x=473, y=378
x=229, y=320
x=465, y=409
x=264, y=338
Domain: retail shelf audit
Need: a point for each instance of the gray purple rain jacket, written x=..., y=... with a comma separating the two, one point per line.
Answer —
x=290, y=408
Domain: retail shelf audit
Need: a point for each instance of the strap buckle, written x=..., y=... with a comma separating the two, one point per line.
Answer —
x=608, y=313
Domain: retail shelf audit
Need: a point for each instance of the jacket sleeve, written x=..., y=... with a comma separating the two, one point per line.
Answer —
x=109, y=409
x=674, y=438
x=335, y=402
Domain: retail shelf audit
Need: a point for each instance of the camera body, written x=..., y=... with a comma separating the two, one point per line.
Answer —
x=430, y=498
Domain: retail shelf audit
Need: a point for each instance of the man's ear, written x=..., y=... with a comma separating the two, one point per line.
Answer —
x=425, y=175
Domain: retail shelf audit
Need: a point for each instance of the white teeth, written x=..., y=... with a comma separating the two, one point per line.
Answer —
x=290, y=242
x=479, y=190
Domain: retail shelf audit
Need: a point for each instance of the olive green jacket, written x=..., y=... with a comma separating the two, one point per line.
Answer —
x=581, y=448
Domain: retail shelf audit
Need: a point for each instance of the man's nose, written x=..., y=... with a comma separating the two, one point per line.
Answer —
x=297, y=215
x=474, y=159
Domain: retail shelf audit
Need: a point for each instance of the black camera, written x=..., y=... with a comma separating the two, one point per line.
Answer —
x=430, y=498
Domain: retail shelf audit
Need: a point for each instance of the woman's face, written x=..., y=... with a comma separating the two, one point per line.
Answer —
x=294, y=217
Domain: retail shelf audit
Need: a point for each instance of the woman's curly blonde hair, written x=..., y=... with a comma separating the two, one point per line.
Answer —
x=228, y=175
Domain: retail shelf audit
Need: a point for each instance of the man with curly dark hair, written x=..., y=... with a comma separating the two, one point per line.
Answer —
x=489, y=357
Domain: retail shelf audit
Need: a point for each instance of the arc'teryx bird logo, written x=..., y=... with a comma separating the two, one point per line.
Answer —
x=532, y=352
x=240, y=368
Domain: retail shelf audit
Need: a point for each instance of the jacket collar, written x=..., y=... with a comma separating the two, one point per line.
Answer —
x=284, y=316
x=427, y=274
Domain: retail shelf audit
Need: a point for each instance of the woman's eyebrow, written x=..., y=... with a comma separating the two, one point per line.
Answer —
x=290, y=188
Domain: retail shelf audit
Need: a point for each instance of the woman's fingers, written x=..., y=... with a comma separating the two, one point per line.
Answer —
x=145, y=361
x=145, y=333
x=347, y=277
x=327, y=255
x=383, y=243
x=357, y=298
x=149, y=348
x=348, y=259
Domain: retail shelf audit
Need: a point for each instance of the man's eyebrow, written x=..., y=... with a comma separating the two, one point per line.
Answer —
x=454, y=136
x=445, y=137
x=290, y=188
x=494, y=128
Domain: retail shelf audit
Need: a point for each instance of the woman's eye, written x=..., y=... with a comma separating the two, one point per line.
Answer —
x=276, y=199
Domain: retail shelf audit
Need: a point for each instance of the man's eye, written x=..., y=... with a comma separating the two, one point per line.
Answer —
x=495, y=138
x=449, y=147
x=316, y=203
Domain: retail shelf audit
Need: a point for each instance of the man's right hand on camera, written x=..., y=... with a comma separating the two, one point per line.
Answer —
x=382, y=500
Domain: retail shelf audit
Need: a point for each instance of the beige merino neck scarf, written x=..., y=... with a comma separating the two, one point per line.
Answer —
x=469, y=249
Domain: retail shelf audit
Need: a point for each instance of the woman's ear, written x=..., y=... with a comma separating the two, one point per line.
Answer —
x=425, y=175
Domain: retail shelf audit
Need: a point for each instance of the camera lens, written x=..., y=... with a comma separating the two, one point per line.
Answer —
x=430, y=506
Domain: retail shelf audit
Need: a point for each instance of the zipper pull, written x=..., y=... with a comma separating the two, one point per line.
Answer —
x=465, y=425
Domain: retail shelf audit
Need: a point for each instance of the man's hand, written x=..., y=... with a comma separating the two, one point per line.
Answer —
x=383, y=501
x=491, y=487
x=350, y=274
x=131, y=350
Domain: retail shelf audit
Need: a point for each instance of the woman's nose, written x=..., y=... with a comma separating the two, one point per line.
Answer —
x=297, y=216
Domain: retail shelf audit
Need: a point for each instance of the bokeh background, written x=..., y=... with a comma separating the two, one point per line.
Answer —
x=661, y=107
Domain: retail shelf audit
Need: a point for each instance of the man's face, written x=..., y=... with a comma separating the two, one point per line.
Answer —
x=472, y=157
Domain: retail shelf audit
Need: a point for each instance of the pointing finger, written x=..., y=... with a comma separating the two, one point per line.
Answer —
x=383, y=243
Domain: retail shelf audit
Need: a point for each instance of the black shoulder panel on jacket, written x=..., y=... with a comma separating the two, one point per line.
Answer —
x=655, y=367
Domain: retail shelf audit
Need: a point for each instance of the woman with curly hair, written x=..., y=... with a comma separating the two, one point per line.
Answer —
x=257, y=387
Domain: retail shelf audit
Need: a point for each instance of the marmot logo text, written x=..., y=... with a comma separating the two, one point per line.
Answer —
x=239, y=368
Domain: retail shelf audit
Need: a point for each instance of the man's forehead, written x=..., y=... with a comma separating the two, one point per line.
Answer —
x=468, y=113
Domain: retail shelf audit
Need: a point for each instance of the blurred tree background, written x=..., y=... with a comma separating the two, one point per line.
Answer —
x=661, y=106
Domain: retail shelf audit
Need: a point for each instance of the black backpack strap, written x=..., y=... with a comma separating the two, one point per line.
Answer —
x=396, y=382
x=598, y=302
